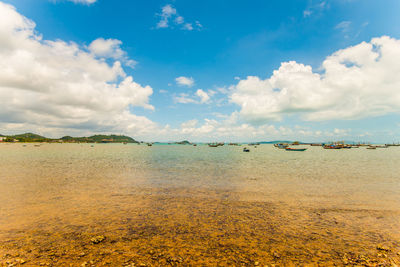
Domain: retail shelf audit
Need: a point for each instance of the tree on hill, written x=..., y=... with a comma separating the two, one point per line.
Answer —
x=29, y=137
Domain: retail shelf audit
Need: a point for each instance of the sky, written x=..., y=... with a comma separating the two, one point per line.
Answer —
x=205, y=71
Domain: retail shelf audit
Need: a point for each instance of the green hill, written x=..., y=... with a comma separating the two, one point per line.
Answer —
x=29, y=137
x=185, y=142
x=112, y=138
x=100, y=138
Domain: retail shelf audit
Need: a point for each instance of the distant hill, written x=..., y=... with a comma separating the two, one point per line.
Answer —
x=100, y=139
x=185, y=142
x=31, y=137
x=113, y=138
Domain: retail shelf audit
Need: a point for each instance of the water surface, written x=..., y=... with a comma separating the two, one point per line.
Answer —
x=185, y=205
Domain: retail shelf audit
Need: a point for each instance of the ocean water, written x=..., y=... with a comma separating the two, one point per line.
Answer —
x=185, y=205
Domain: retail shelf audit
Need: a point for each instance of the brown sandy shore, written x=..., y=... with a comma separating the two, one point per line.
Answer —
x=192, y=228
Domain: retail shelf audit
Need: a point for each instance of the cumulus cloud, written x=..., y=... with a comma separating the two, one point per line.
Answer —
x=110, y=48
x=204, y=97
x=200, y=97
x=231, y=128
x=56, y=85
x=185, y=81
x=356, y=82
x=169, y=15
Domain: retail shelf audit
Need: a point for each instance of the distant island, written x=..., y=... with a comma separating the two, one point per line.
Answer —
x=185, y=142
x=31, y=137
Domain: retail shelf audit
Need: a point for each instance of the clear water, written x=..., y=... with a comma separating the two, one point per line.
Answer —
x=313, y=206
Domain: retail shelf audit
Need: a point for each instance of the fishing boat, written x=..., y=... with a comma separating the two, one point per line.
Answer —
x=281, y=146
x=315, y=144
x=246, y=149
x=371, y=147
x=295, y=149
x=332, y=146
x=393, y=144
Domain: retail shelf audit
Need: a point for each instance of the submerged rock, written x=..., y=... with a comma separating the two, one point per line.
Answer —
x=382, y=248
x=98, y=239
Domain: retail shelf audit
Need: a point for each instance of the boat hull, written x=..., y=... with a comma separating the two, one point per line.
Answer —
x=295, y=149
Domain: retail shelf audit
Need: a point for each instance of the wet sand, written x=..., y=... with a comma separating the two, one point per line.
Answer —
x=55, y=215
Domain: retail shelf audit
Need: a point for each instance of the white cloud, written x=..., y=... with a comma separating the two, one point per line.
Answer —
x=200, y=97
x=226, y=90
x=170, y=15
x=357, y=82
x=110, y=48
x=179, y=20
x=198, y=24
x=89, y=2
x=307, y=13
x=188, y=26
x=85, y=2
x=230, y=128
x=225, y=130
x=344, y=26
x=204, y=97
x=184, y=99
x=342, y=132
x=315, y=7
x=185, y=81
x=60, y=86
x=167, y=12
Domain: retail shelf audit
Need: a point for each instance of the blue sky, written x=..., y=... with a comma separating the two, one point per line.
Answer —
x=215, y=45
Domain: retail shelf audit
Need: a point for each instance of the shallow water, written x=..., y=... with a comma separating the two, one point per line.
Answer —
x=185, y=205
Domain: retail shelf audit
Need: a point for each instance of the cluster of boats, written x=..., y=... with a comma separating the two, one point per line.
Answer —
x=347, y=146
x=293, y=146
x=337, y=145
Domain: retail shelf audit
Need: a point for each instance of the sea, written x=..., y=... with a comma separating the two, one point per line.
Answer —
x=183, y=205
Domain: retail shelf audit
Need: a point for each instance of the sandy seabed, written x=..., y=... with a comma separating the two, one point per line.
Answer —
x=185, y=228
